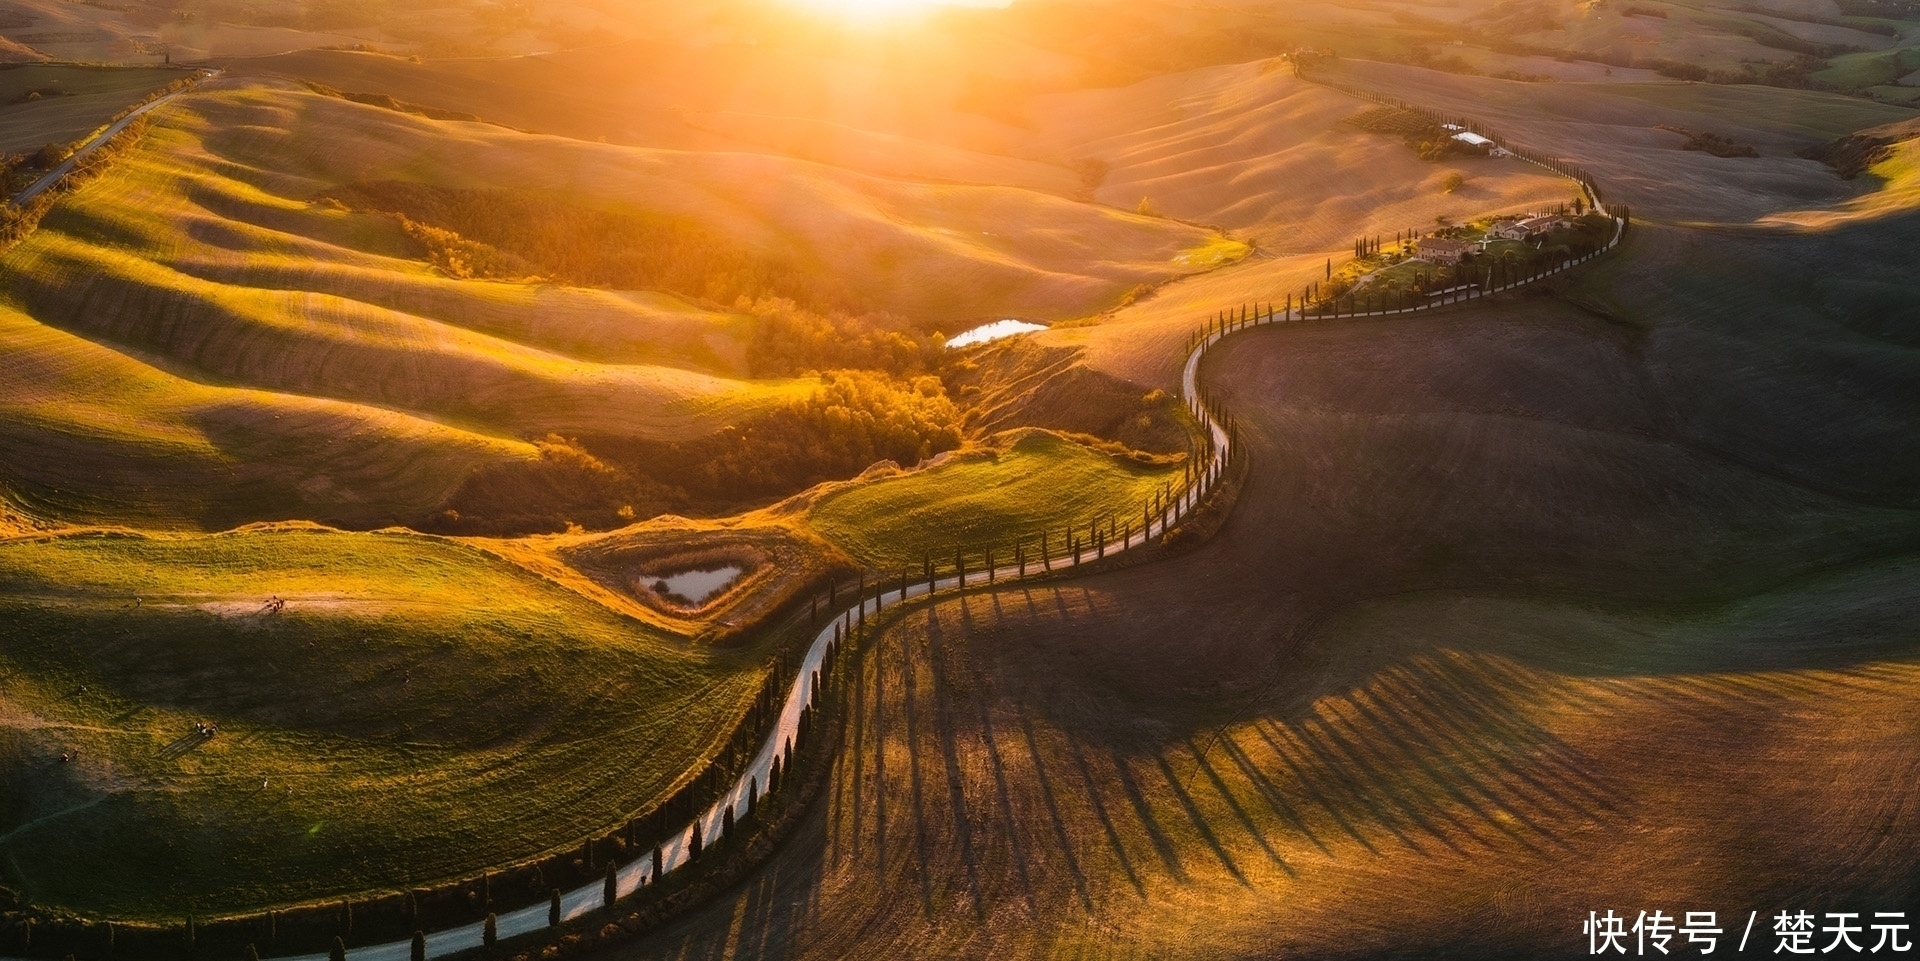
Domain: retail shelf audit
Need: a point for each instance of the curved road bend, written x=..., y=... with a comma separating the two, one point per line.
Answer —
x=630, y=878
x=588, y=898
x=66, y=166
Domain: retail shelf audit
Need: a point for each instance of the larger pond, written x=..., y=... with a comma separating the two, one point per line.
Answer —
x=697, y=587
x=993, y=331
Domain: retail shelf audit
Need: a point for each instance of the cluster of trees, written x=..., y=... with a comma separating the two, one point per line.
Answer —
x=853, y=420
x=1713, y=143
x=590, y=246
x=789, y=340
x=17, y=170
x=567, y=486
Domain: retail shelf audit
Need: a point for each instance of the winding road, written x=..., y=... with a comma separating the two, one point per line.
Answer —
x=99, y=140
x=632, y=876
x=675, y=852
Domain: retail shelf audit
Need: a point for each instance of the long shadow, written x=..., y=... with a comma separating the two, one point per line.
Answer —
x=1442, y=715
x=1269, y=791
x=1309, y=783
x=880, y=746
x=1464, y=785
x=1200, y=823
x=1011, y=825
x=857, y=753
x=1093, y=798
x=947, y=736
x=1233, y=804
x=1053, y=805
x=1489, y=700
x=1371, y=782
x=1162, y=845
x=182, y=745
x=910, y=712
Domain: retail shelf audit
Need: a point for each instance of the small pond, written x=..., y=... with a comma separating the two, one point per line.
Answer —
x=697, y=587
x=993, y=331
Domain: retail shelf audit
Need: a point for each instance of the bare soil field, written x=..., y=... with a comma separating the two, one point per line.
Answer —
x=1594, y=600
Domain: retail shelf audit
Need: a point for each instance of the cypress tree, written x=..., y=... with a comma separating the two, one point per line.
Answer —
x=553, y=909
x=490, y=931
x=339, y=952
x=659, y=862
x=694, y=842
x=611, y=889
x=253, y=952
x=419, y=952
x=726, y=824
x=753, y=794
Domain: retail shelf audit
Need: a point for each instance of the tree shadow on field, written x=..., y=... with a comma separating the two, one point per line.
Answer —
x=947, y=737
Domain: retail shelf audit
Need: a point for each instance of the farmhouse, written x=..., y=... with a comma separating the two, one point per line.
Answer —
x=1475, y=141
x=1444, y=250
x=1525, y=229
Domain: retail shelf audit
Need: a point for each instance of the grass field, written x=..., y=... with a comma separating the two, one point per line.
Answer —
x=121, y=441
x=350, y=756
x=42, y=104
x=1037, y=480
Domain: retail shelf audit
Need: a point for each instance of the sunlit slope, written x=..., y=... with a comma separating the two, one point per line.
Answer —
x=348, y=740
x=118, y=440
x=921, y=250
x=176, y=254
x=1895, y=180
x=1035, y=482
x=1251, y=147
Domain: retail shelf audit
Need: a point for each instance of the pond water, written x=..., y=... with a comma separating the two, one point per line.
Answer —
x=993, y=331
x=697, y=586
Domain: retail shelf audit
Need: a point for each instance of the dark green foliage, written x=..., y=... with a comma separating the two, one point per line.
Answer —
x=419, y=948
x=490, y=931
x=851, y=421
x=338, y=952
x=553, y=909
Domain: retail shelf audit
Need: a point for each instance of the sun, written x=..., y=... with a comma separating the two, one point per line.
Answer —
x=873, y=10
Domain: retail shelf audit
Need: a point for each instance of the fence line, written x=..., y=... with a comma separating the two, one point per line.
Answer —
x=789, y=731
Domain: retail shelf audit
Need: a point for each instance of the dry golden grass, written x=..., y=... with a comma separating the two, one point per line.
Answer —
x=116, y=439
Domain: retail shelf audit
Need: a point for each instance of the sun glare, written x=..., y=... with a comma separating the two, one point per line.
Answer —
x=870, y=10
